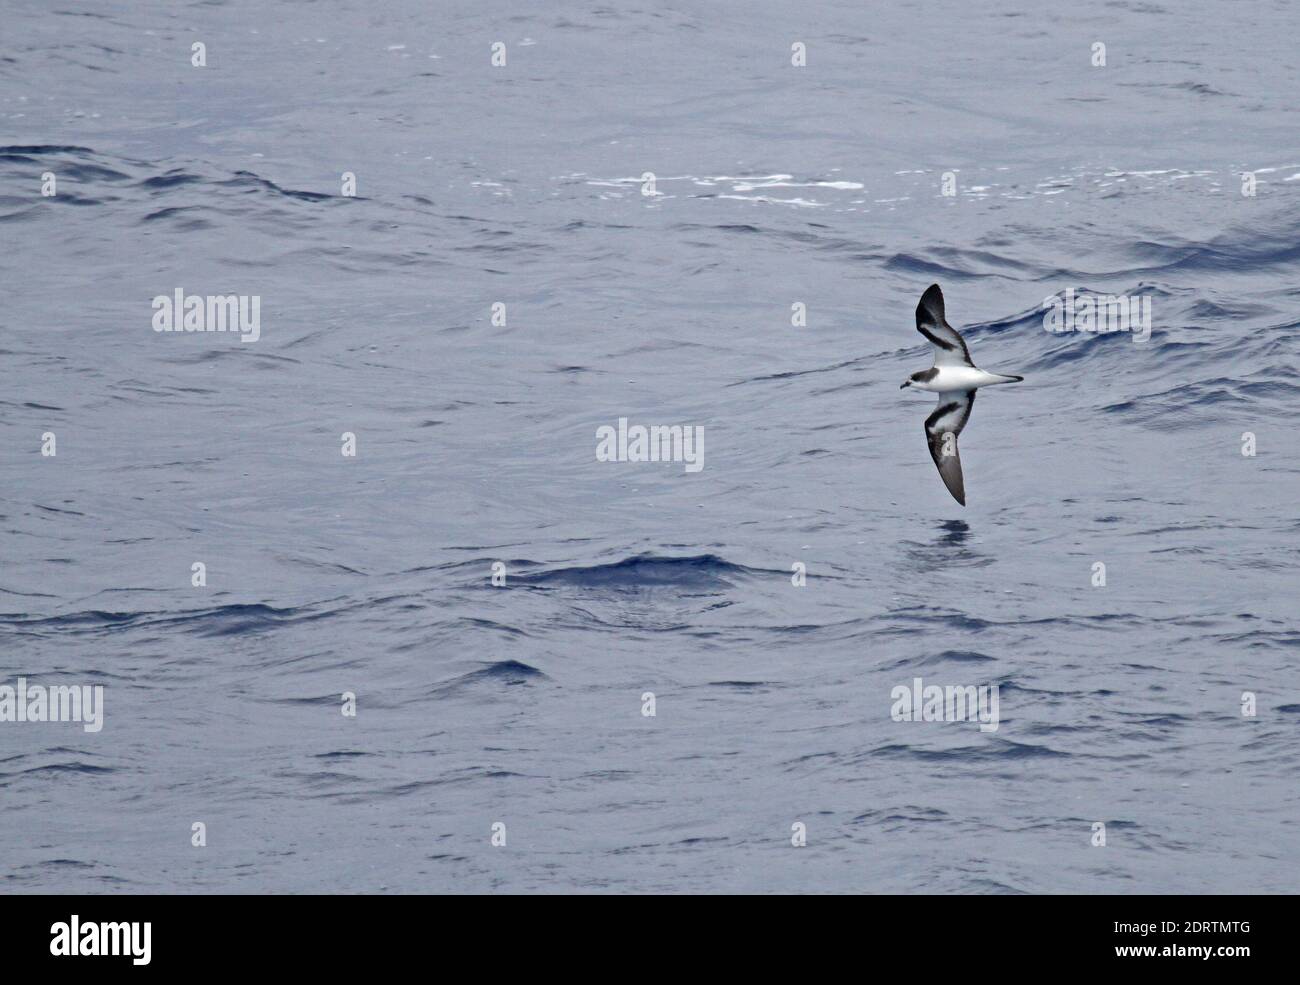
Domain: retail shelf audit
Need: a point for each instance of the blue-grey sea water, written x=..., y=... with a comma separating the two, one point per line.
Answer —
x=505, y=281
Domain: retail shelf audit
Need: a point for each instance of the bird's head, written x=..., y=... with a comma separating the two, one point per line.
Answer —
x=917, y=378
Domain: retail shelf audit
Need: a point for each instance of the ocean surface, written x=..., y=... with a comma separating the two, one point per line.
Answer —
x=507, y=280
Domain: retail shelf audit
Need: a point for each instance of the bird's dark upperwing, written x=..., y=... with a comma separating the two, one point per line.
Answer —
x=941, y=430
x=949, y=347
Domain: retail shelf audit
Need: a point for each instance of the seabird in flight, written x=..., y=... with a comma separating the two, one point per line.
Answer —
x=955, y=379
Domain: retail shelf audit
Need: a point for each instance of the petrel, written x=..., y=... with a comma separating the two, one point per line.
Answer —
x=955, y=379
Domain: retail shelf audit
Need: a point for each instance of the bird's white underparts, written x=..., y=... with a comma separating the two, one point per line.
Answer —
x=955, y=378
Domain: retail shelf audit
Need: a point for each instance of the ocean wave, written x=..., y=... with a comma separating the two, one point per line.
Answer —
x=700, y=571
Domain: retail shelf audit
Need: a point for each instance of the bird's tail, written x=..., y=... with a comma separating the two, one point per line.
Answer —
x=999, y=378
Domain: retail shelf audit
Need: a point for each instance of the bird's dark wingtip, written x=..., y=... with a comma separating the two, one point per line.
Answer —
x=930, y=307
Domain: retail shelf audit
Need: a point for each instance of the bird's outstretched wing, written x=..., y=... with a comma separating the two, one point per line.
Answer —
x=949, y=347
x=941, y=430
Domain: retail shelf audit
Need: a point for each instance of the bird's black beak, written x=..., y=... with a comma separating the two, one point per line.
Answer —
x=906, y=384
